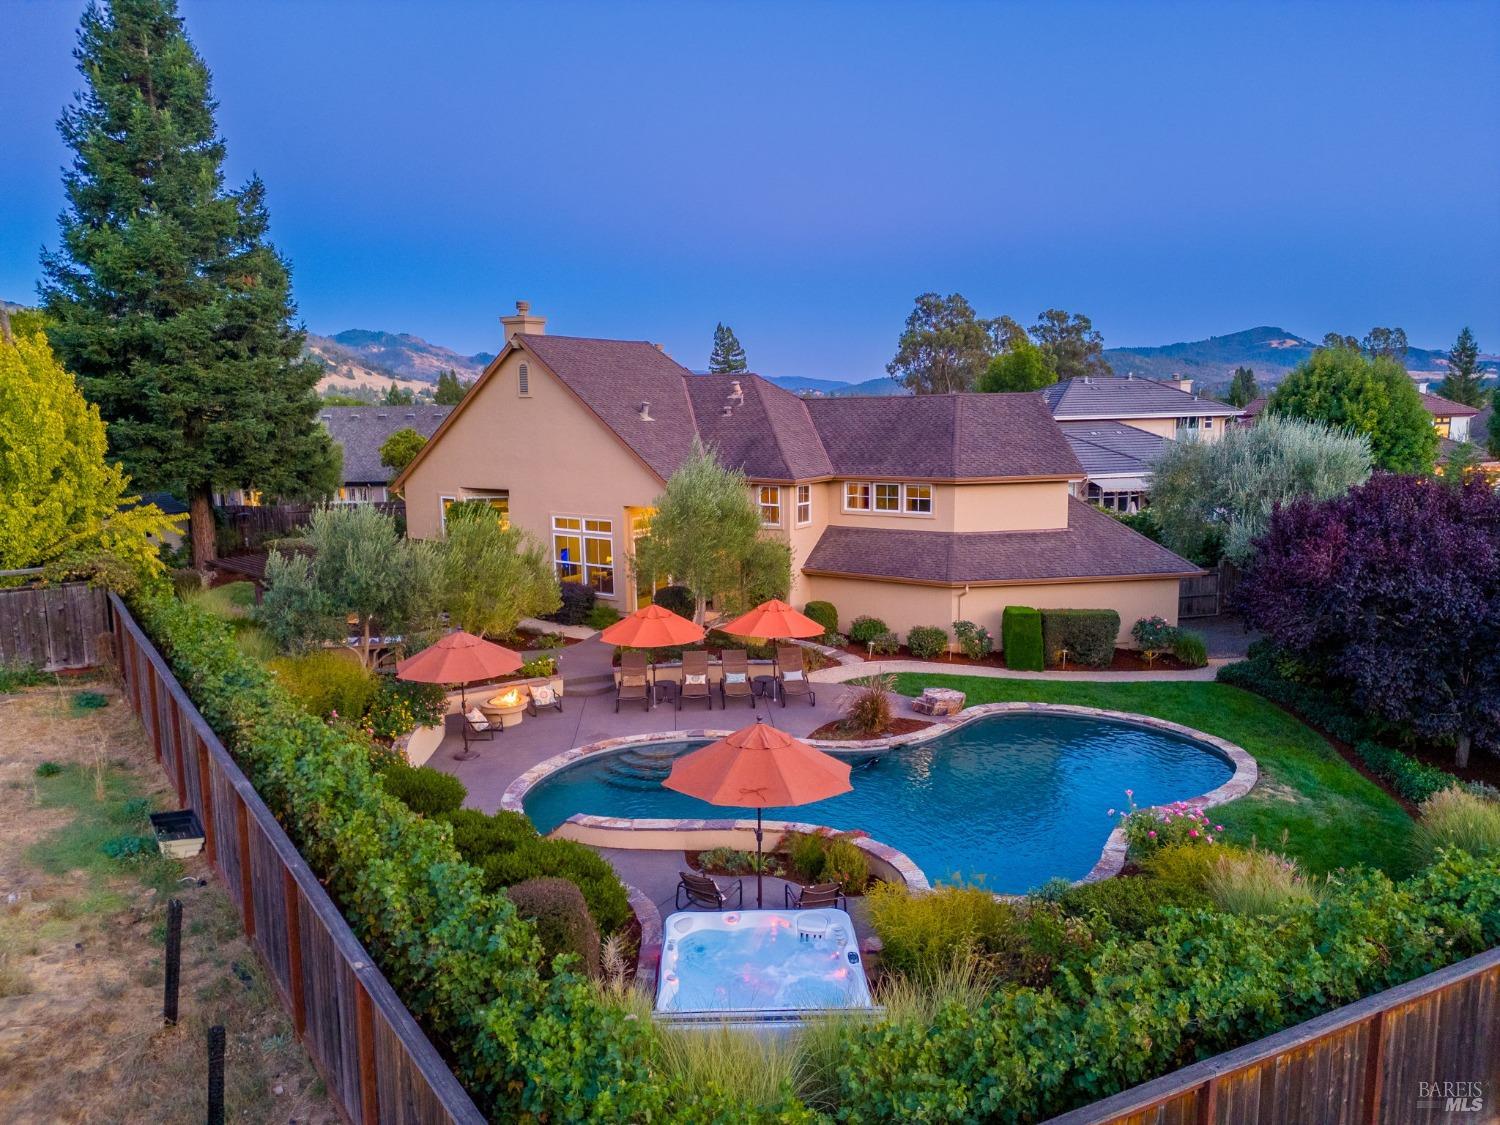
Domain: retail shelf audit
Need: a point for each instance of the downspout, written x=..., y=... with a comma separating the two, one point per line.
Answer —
x=958, y=607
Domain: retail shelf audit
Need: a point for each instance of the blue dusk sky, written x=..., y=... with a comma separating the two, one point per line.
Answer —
x=802, y=171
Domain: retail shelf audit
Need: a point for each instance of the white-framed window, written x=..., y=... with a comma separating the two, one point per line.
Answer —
x=583, y=550
x=1208, y=423
x=523, y=381
x=445, y=502
x=769, y=498
x=910, y=499
x=804, y=505
x=1188, y=424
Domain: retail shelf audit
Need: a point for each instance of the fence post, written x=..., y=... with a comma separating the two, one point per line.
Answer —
x=364, y=1043
x=247, y=890
x=153, y=725
x=292, y=898
x=174, y=963
x=216, y=1075
x=1207, y=1103
x=178, y=746
x=1374, y=1069
x=206, y=801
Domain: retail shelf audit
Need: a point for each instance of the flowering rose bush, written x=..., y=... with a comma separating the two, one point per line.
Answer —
x=1182, y=822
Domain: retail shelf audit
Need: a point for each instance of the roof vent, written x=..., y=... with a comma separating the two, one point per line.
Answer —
x=736, y=391
x=645, y=412
x=382, y=416
x=726, y=411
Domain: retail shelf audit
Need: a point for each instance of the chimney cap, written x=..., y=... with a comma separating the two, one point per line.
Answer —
x=523, y=307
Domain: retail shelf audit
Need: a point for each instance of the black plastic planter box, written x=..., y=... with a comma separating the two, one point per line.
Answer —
x=178, y=834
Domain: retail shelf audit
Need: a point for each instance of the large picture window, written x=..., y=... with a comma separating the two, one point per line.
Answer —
x=583, y=550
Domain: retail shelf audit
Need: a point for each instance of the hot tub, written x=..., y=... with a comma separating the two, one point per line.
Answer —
x=760, y=963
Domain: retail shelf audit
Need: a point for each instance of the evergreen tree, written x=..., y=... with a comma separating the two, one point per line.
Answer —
x=395, y=396
x=727, y=355
x=166, y=299
x=1462, y=383
x=450, y=389
x=1243, y=389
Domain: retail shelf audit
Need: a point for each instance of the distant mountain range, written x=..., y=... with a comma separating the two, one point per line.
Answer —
x=363, y=357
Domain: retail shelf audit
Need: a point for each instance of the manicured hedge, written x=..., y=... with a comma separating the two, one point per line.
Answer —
x=1413, y=779
x=1021, y=638
x=1088, y=634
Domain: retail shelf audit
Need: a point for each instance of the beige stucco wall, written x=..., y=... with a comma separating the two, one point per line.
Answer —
x=1167, y=427
x=902, y=605
x=549, y=450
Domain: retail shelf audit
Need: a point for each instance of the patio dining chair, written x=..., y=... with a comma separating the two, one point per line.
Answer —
x=634, y=681
x=791, y=675
x=819, y=894
x=695, y=679
x=736, y=682
x=702, y=890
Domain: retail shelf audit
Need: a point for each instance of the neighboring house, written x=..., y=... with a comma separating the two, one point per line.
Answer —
x=919, y=510
x=360, y=431
x=1118, y=425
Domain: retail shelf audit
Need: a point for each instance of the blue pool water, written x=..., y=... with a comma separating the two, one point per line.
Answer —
x=1008, y=801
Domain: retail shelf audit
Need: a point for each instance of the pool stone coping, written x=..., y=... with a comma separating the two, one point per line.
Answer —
x=1111, y=859
x=648, y=956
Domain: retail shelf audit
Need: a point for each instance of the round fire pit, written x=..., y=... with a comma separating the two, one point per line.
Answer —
x=507, y=708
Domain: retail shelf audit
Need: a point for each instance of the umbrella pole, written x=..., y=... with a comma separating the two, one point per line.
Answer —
x=760, y=863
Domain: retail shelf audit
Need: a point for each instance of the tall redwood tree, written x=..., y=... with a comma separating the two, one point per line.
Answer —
x=1392, y=593
x=165, y=298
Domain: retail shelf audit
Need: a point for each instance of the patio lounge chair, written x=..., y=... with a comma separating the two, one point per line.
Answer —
x=791, y=675
x=702, y=890
x=477, y=728
x=635, y=680
x=543, y=695
x=819, y=894
x=736, y=682
x=695, y=679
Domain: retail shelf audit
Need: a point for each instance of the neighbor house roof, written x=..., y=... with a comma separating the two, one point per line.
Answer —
x=1440, y=407
x=361, y=430
x=1123, y=397
x=1112, y=448
x=1094, y=545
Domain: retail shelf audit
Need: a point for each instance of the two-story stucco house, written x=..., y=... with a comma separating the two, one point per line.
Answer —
x=920, y=510
x=1118, y=426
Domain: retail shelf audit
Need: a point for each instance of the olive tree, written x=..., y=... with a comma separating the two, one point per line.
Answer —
x=491, y=576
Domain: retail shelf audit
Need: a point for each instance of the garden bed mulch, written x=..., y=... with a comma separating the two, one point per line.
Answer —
x=842, y=730
x=1125, y=660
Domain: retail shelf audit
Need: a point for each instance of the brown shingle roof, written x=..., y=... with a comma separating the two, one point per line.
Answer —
x=1440, y=407
x=1093, y=545
x=943, y=437
x=767, y=434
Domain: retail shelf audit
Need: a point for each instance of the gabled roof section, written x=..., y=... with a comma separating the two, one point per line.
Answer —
x=613, y=378
x=1112, y=448
x=762, y=430
x=943, y=437
x=1094, y=546
x=1119, y=397
x=361, y=430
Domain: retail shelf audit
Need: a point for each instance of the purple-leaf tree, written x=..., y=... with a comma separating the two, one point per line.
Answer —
x=1392, y=593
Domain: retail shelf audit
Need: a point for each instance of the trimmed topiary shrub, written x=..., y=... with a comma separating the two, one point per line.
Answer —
x=1021, y=638
x=563, y=923
x=1190, y=648
x=328, y=683
x=926, y=641
x=678, y=599
x=423, y=789
x=825, y=614
x=577, y=601
x=865, y=629
x=1088, y=636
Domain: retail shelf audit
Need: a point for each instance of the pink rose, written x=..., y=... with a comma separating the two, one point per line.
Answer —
x=1193, y=832
x=1151, y=835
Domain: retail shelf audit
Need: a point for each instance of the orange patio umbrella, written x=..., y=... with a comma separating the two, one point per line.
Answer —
x=460, y=658
x=652, y=627
x=759, y=767
x=772, y=621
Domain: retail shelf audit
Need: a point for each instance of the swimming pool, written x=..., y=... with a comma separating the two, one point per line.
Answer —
x=1007, y=801
x=760, y=961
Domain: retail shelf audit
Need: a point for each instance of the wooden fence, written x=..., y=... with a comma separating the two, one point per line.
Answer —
x=244, y=527
x=52, y=627
x=1209, y=594
x=378, y=1065
x=1395, y=1058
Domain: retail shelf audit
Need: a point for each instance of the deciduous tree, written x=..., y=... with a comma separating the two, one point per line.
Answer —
x=62, y=502
x=705, y=533
x=1072, y=345
x=167, y=301
x=1344, y=389
x=1391, y=593
x=1243, y=390
x=1025, y=367
x=1210, y=493
x=727, y=355
x=489, y=576
x=945, y=346
x=1463, y=382
x=1389, y=342
x=401, y=448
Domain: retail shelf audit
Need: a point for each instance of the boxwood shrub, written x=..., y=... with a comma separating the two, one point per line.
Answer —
x=1088, y=635
x=1021, y=638
x=423, y=789
x=865, y=629
x=926, y=641
x=825, y=614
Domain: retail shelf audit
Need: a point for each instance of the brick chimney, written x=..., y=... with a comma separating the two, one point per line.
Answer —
x=523, y=321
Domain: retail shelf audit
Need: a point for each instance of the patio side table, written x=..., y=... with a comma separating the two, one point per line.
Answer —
x=665, y=691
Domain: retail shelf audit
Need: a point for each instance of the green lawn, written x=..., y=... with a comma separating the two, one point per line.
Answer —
x=1329, y=815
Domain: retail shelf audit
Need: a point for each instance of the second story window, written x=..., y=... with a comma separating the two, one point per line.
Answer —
x=887, y=497
x=899, y=499
x=769, y=496
x=857, y=496
x=804, y=505
x=918, y=499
